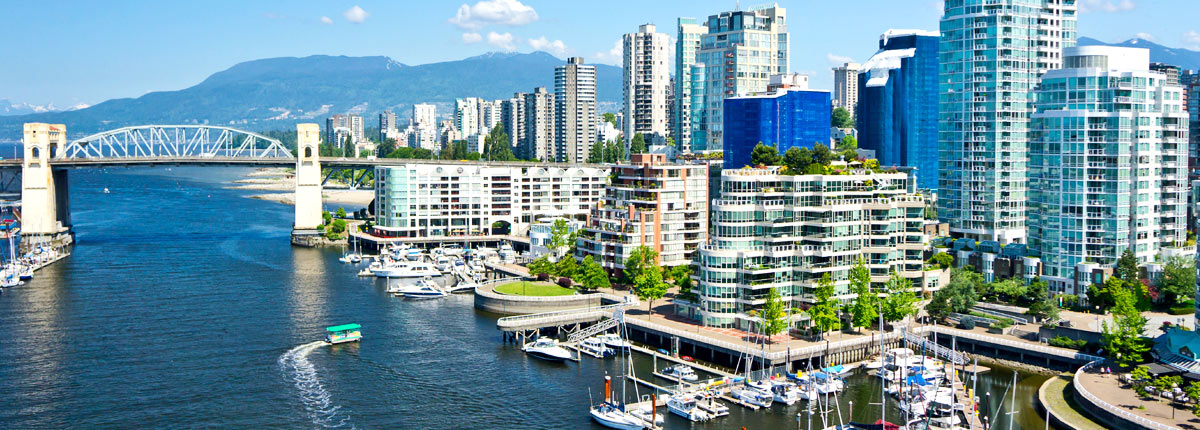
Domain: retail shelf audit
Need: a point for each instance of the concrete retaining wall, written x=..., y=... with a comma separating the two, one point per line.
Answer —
x=490, y=301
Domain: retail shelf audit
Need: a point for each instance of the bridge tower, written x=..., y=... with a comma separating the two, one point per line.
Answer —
x=44, y=209
x=308, y=181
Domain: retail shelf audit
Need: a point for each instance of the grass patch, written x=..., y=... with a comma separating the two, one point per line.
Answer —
x=533, y=288
x=1059, y=398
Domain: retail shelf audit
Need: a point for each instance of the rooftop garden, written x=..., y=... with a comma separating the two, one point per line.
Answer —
x=820, y=160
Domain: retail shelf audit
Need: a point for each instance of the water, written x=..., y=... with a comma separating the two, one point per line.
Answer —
x=184, y=305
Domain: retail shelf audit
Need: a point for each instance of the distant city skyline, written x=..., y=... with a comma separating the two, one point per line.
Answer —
x=82, y=52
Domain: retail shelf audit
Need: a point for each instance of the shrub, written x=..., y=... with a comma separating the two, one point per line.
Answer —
x=564, y=282
x=543, y=276
x=1066, y=342
x=1182, y=308
x=1003, y=323
x=967, y=324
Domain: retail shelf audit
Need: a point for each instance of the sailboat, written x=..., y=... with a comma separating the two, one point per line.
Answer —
x=612, y=414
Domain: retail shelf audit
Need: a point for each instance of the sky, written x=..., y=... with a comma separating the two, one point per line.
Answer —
x=72, y=52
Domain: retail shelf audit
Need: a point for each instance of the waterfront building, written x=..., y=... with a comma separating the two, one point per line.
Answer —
x=845, y=86
x=776, y=231
x=353, y=129
x=992, y=54
x=1107, y=165
x=540, y=126
x=686, y=108
x=650, y=202
x=740, y=51
x=646, y=79
x=897, y=108
x=791, y=116
x=575, y=110
x=466, y=198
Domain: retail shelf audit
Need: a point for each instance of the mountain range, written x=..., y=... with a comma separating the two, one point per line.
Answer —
x=1184, y=58
x=9, y=107
x=276, y=93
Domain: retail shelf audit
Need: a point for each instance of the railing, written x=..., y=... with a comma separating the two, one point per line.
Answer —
x=1121, y=413
x=1059, y=352
x=954, y=356
x=751, y=350
x=555, y=316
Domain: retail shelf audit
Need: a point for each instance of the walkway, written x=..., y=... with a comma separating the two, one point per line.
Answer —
x=1107, y=388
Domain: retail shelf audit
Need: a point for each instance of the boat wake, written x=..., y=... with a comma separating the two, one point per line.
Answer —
x=317, y=401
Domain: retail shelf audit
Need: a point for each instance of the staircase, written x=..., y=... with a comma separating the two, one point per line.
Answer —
x=953, y=356
x=597, y=328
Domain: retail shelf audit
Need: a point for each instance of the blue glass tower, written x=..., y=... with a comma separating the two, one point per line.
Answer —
x=786, y=118
x=897, y=109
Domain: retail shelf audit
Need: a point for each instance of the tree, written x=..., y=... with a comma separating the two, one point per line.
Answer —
x=900, y=301
x=596, y=153
x=614, y=152
x=567, y=267
x=823, y=312
x=1127, y=268
x=939, y=305
x=1041, y=304
x=594, y=276
x=610, y=118
x=642, y=268
x=764, y=155
x=962, y=291
x=1010, y=289
x=840, y=118
x=561, y=237
x=326, y=217
x=1102, y=296
x=541, y=265
x=386, y=147
x=774, y=315
x=797, y=160
x=341, y=212
x=638, y=144
x=682, y=277
x=496, y=146
x=670, y=141
x=1123, y=338
x=1178, y=279
x=848, y=143
x=942, y=259
x=863, y=312
x=821, y=154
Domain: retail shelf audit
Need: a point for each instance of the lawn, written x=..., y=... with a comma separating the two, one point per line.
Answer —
x=533, y=288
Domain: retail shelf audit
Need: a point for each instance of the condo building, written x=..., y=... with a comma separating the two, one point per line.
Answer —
x=845, y=86
x=646, y=80
x=790, y=115
x=575, y=110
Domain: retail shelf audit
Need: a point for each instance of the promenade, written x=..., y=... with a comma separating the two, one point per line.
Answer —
x=1107, y=388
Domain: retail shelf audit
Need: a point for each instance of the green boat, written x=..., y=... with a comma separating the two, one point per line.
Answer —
x=343, y=333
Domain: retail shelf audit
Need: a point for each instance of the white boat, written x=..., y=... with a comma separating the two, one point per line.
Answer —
x=507, y=254
x=10, y=281
x=707, y=402
x=412, y=254
x=106, y=190
x=685, y=406
x=646, y=415
x=25, y=273
x=425, y=289
x=752, y=396
x=547, y=349
x=872, y=365
x=476, y=266
x=611, y=416
x=593, y=347
x=614, y=341
x=464, y=286
x=680, y=371
x=452, y=250
x=443, y=264
x=785, y=392
x=403, y=269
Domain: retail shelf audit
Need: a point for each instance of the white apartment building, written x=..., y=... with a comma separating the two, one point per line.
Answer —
x=575, y=110
x=353, y=125
x=646, y=79
x=466, y=116
x=784, y=232
x=540, y=126
x=687, y=43
x=1108, y=164
x=992, y=54
x=465, y=198
x=424, y=115
x=845, y=86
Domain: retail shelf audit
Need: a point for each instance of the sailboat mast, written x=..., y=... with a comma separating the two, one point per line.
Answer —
x=883, y=392
x=1012, y=403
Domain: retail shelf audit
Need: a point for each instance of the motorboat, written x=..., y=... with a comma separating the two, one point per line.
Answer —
x=452, y=250
x=425, y=289
x=614, y=341
x=507, y=254
x=751, y=395
x=443, y=264
x=706, y=401
x=680, y=371
x=685, y=406
x=476, y=266
x=351, y=258
x=343, y=333
x=783, y=391
x=547, y=349
x=10, y=281
x=612, y=416
x=839, y=370
x=593, y=347
x=403, y=269
x=647, y=415
x=464, y=286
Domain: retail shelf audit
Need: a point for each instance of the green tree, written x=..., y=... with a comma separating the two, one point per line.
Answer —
x=541, y=265
x=682, y=277
x=401, y=152
x=824, y=311
x=774, y=315
x=670, y=141
x=1102, y=296
x=594, y=276
x=1123, y=339
x=567, y=267
x=797, y=160
x=962, y=290
x=496, y=146
x=638, y=144
x=1009, y=289
x=610, y=118
x=900, y=301
x=863, y=311
x=764, y=155
x=642, y=268
x=840, y=118
x=596, y=153
x=942, y=259
x=561, y=237
x=614, y=152
x=341, y=212
x=1178, y=279
x=848, y=143
x=386, y=147
x=1127, y=269
x=326, y=217
x=939, y=305
x=1041, y=304
x=821, y=154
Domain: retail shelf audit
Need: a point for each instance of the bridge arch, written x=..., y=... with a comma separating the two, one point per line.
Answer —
x=187, y=140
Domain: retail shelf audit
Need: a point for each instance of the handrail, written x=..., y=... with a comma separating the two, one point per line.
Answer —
x=1110, y=408
x=1060, y=352
x=553, y=314
x=954, y=356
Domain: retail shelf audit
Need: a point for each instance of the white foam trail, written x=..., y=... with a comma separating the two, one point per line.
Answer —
x=317, y=401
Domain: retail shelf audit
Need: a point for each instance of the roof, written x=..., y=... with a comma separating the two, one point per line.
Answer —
x=343, y=327
x=1177, y=340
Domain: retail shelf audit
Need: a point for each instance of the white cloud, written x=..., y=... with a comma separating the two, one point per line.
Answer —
x=1145, y=36
x=326, y=20
x=471, y=37
x=1191, y=39
x=556, y=47
x=503, y=41
x=493, y=12
x=838, y=60
x=613, y=56
x=356, y=15
x=1110, y=6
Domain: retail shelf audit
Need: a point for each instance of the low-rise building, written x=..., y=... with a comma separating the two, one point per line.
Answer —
x=542, y=232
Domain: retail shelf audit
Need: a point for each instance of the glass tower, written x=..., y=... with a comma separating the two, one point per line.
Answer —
x=687, y=42
x=786, y=118
x=992, y=53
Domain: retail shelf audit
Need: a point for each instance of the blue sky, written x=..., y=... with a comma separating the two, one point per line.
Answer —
x=72, y=52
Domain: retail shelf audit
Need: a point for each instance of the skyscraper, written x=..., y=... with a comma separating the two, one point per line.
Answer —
x=466, y=116
x=845, y=86
x=992, y=53
x=575, y=110
x=687, y=42
x=646, y=78
x=540, y=125
x=740, y=51
x=1107, y=167
x=512, y=118
x=897, y=111
x=351, y=126
x=424, y=116
x=790, y=116
x=387, y=123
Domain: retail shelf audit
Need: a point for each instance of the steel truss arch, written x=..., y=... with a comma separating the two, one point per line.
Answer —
x=176, y=141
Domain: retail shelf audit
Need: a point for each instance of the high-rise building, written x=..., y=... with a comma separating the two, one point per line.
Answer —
x=772, y=230
x=687, y=43
x=646, y=78
x=575, y=110
x=512, y=118
x=424, y=115
x=466, y=116
x=845, y=86
x=1107, y=168
x=1191, y=87
x=1173, y=73
x=489, y=115
x=741, y=51
x=897, y=111
x=654, y=203
x=790, y=116
x=992, y=54
x=540, y=126
x=387, y=125
x=352, y=124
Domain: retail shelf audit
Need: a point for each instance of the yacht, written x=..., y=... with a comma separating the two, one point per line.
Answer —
x=783, y=391
x=752, y=396
x=706, y=401
x=611, y=416
x=10, y=281
x=680, y=371
x=425, y=289
x=464, y=286
x=443, y=264
x=452, y=250
x=593, y=347
x=403, y=269
x=476, y=266
x=614, y=341
x=507, y=254
x=547, y=349
x=685, y=406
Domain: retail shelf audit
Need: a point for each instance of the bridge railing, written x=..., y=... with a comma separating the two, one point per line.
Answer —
x=1119, y=412
x=185, y=140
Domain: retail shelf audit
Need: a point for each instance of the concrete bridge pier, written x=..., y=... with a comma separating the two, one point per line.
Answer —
x=308, y=185
x=45, y=208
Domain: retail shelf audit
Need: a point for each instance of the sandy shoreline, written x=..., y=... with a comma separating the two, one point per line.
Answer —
x=281, y=182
